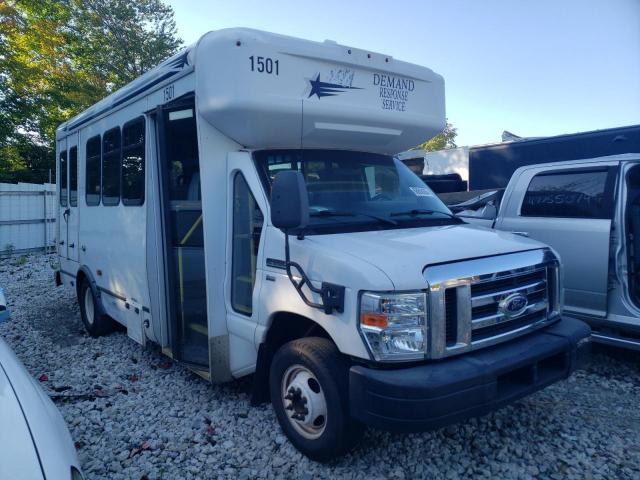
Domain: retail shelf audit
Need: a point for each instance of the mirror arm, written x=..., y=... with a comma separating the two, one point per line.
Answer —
x=332, y=295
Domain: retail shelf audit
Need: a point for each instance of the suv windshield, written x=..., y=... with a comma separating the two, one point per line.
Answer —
x=351, y=191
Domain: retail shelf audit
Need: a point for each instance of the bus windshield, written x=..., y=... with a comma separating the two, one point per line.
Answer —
x=351, y=191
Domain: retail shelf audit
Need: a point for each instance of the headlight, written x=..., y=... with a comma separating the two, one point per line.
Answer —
x=394, y=325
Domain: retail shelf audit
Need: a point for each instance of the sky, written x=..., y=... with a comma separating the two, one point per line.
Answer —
x=535, y=68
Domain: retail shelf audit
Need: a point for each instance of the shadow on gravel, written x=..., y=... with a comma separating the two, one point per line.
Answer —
x=625, y=355
x=60, y=324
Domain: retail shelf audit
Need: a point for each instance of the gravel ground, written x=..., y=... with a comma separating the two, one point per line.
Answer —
x=134, y=414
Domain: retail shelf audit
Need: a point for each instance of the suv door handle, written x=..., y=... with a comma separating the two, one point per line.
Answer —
x=72, y=245
x=522, y=234
x=61, y=242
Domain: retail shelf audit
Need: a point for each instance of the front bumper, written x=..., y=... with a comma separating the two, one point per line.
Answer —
x=437, y=394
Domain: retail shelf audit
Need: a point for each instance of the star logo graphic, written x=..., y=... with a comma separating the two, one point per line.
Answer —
x=325, y=89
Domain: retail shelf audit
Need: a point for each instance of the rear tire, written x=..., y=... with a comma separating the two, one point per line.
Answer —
x=95, y=323
x=309, y=384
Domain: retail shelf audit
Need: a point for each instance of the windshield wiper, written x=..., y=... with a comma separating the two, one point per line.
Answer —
x=417, y=211
x=336, y=213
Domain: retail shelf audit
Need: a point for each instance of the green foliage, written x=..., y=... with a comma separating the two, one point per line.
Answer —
x=445, y=139
x=57, y=57
x=22, y=160
x=9, y=249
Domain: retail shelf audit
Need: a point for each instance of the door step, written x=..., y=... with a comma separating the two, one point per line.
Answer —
x=198, y=328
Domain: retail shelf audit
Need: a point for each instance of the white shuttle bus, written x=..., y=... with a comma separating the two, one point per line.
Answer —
x=240, y=206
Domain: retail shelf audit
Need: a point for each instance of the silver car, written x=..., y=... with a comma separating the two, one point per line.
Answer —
x=588, y=211
x=34, y=440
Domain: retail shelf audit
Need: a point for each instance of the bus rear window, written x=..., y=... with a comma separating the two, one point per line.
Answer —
x=92, y=183
x=73, y=176
x=133, y=162
x=111, y=167
x=63, y=179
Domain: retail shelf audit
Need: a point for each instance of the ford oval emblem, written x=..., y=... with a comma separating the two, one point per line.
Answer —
x=513, y=305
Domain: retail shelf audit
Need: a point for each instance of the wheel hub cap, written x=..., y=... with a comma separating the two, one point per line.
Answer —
x=304, y=401
x=88, y=306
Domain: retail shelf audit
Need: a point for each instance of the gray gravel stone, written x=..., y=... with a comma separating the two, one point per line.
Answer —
x=149, y=422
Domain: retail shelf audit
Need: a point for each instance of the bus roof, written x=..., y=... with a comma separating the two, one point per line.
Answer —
x=166, y=70
x=268, y=90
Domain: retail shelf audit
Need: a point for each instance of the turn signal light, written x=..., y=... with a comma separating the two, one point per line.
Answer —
x=374, y=320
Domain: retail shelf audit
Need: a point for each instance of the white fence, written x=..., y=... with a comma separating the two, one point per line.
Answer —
x=27, y=217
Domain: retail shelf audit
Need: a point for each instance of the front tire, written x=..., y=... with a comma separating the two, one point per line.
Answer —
x=309, y=384
x=95, y=323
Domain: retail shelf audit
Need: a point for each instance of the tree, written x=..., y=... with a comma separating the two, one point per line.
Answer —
x=57, y=57
x=445, y=139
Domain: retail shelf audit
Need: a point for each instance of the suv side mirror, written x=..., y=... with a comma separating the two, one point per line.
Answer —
x=489, y=211
x=289, y=201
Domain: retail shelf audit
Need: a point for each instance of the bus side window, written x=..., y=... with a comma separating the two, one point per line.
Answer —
x=111, y=167
x=247, y=227
x=63, y=179
x=92, y=171
x=73, y=176
x=133, y=162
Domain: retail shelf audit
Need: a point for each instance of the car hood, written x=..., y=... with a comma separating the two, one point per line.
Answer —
x=18, y=456
x=50, y=441
x=403, y=254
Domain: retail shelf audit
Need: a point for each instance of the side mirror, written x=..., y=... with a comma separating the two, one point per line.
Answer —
x=489, y=212
x=290, y=209
x=289, y=201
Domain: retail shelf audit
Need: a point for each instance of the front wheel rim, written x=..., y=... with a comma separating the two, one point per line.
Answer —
x=89, y=309
x=304, y=402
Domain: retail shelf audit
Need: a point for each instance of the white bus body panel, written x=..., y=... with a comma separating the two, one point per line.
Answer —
x=318, y=95
x=113, y=239
x=323, y=95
